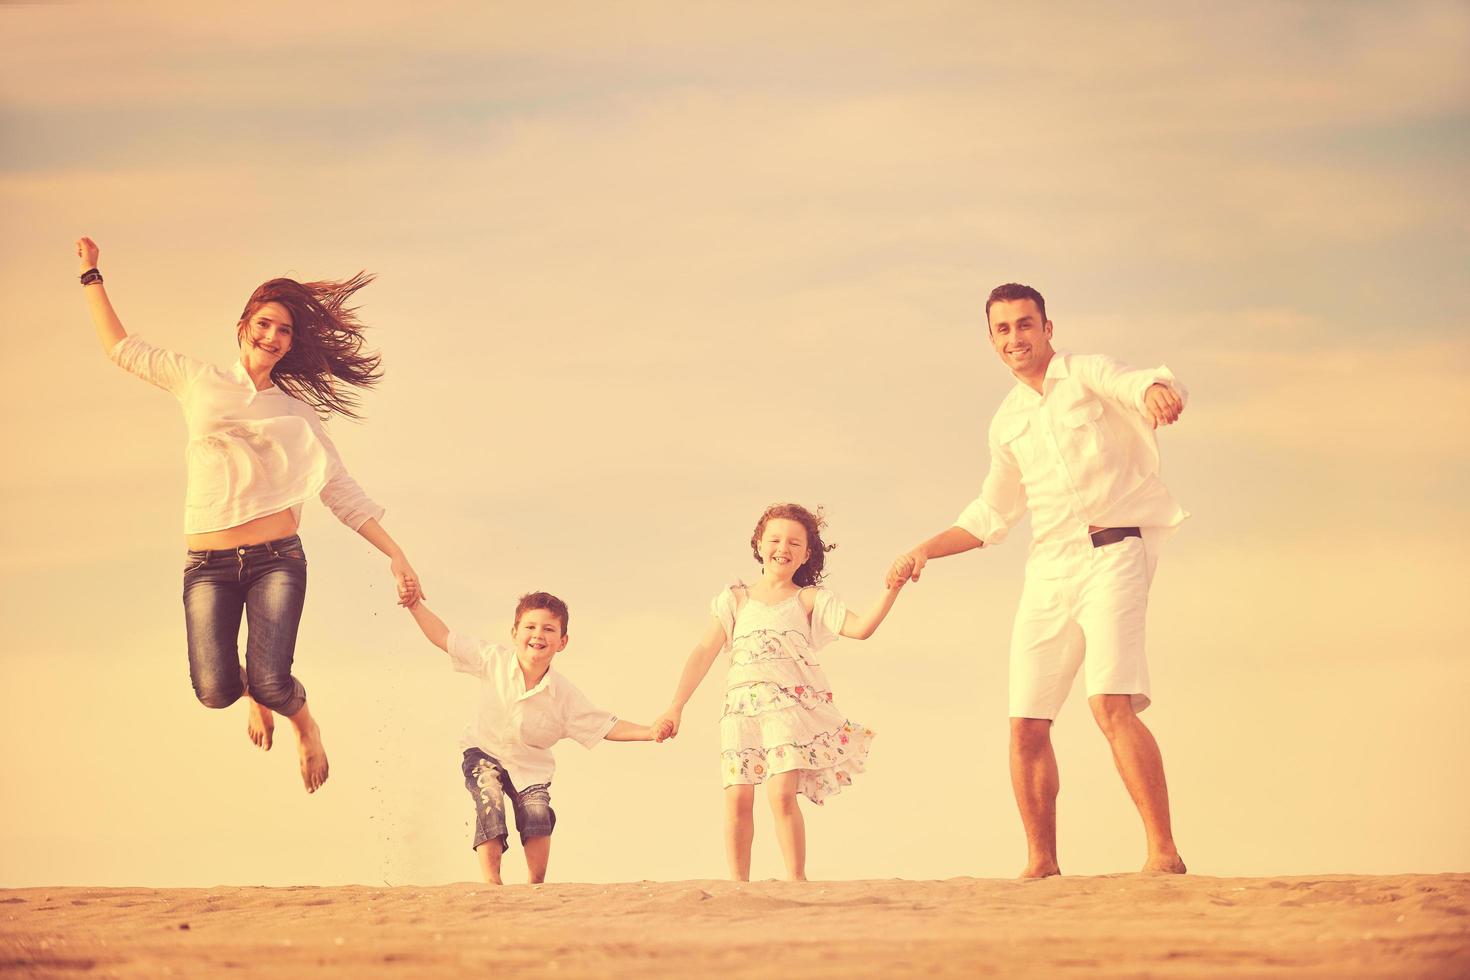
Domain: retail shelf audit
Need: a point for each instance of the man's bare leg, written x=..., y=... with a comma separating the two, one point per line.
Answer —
x=1035, y=780
x=538, y=852
x=1136, y=754
x=313, y=754
x=260, y=721
x=790, y=827
x=739, y=829
x=488, y=854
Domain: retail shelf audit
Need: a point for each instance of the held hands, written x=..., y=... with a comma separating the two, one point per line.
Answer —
x=666, y=725
x=409, y=589
x=905, y=568
x=87, y=253
x=1162, y=405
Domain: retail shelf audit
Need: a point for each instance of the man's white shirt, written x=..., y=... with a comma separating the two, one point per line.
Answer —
x=1081, y=452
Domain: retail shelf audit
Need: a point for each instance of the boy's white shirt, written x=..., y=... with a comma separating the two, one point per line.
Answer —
x=517, y=726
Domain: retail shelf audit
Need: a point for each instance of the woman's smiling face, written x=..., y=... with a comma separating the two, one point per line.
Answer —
x=267, y=336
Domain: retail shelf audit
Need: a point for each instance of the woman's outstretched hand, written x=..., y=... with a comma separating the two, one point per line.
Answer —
x=87, y=253
x=410, y=591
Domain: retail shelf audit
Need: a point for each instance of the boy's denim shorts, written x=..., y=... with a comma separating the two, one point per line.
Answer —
x=488, y=784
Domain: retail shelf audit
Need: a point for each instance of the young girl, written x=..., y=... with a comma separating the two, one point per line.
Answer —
x=256, y=453
x=779, y=725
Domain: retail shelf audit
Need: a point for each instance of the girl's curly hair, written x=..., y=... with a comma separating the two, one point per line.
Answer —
x=811, y=572
x=326, y=354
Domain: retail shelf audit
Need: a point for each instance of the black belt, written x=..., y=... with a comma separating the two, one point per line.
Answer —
x=1112, y=535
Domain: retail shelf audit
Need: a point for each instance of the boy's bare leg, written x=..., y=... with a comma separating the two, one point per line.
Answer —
x=1035, y=781
x=1136, y=754
x=313, y=754
x=739, y=829
x=488, y=854
x=260, y=721
x=538, y=852
x=790, y=827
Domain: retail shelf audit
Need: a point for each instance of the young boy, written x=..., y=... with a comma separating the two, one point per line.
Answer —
x=524, y=709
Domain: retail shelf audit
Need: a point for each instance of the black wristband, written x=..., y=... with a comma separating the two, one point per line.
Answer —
x=91, y=276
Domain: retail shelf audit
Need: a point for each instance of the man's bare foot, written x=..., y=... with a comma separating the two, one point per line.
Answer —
x=1041, y=870
x=313, y=754
x=260, y=723
x=1164, y=864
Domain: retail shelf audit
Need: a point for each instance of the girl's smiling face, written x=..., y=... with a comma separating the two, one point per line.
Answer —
x=783, y=547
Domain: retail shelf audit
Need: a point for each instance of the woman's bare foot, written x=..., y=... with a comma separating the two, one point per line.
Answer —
x=1165, y=864
x=313, y=753
x=260, y=723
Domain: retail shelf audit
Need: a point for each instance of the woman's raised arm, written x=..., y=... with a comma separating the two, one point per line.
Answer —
x=109, y=328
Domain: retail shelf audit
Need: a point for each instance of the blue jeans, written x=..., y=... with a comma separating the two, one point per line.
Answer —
x=268, y=583
x=489, y=784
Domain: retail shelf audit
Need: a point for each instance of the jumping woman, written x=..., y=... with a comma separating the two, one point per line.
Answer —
x=256, y=452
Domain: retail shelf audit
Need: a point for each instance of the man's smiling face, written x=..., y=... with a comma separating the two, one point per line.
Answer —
x=1020, y=336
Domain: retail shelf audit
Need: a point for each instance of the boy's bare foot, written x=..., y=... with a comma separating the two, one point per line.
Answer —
x=1036, y=871
x=260, y=723
x=313, y=753
x=1165, y=864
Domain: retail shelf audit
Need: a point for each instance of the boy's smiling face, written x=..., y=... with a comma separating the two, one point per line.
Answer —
x=538, y=637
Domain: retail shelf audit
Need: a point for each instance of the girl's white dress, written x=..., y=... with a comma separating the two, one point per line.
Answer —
x=779, y=714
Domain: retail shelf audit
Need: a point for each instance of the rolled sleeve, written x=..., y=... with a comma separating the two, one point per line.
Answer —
x=168, y=370
x=1002, y=499
x=342, y=495
x=1123, y=384
x=349, y=502
x=1163, y=376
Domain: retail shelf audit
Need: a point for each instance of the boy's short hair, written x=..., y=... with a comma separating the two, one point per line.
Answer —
x=543, y=600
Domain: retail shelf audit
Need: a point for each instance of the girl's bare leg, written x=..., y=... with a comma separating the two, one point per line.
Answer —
x=781, y=790
x=739, y=829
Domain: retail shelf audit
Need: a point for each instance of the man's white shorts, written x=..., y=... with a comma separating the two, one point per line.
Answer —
x=1094, y=618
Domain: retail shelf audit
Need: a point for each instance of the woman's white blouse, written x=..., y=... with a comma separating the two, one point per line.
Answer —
x=250, y=453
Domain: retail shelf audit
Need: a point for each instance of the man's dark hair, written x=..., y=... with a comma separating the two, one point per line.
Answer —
x=1011, y=292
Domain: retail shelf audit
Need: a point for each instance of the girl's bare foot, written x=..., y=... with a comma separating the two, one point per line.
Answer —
x=313, y=753
x=260, y=723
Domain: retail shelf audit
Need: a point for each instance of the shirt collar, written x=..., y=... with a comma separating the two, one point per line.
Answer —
x=238, y=372
x=1056, y=370
x=518, y=680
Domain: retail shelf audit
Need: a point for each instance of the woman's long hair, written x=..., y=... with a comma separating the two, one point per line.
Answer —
x=326, y=359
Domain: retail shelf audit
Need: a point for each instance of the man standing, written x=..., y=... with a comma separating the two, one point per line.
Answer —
x=1073, y=441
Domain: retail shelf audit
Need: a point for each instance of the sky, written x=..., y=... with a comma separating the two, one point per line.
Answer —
x=644, y=269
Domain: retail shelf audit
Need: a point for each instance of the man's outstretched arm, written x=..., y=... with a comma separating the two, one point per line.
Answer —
x=1154, y=392
x=951, y=541
x=985, y=521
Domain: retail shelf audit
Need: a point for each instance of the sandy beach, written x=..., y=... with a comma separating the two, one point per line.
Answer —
x=1115, y=926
